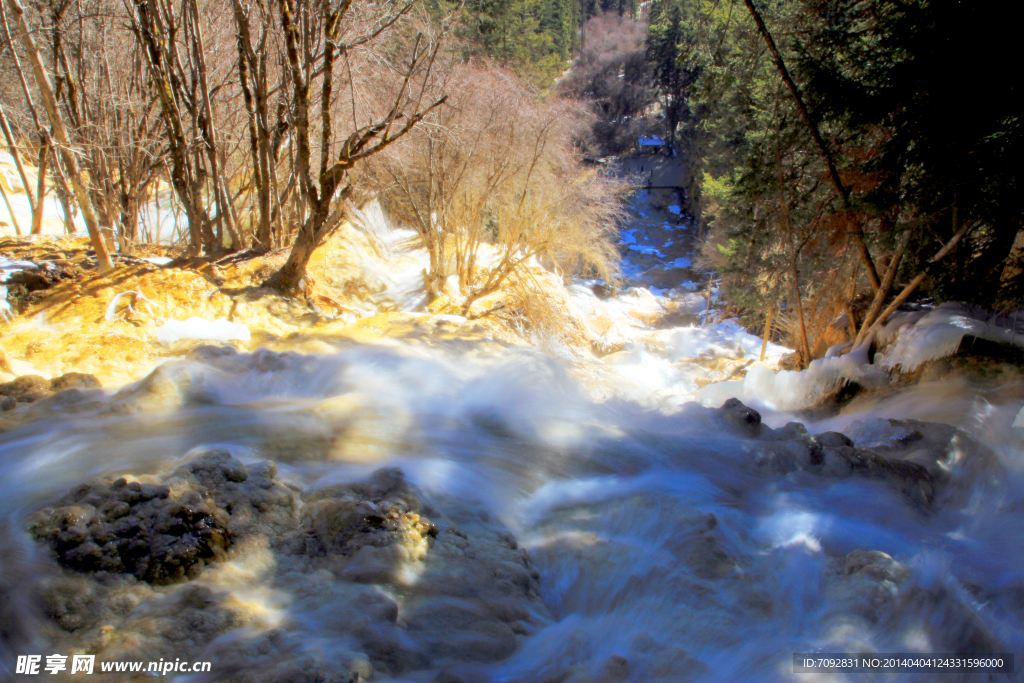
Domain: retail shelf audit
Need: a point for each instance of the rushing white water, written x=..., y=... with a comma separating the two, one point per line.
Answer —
x=653, y=538
x=661, y=551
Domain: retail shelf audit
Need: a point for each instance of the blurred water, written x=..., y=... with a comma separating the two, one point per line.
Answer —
x=654, y=538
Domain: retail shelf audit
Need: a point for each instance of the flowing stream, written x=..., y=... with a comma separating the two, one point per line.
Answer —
x=576, y=539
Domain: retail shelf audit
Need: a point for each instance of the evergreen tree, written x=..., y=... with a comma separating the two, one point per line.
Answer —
x=667, y=42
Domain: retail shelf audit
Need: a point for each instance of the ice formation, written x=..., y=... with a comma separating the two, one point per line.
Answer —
x=786, y=390
x=938, y=333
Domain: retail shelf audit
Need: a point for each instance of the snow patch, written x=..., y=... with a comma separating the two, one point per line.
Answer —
x=726, y=339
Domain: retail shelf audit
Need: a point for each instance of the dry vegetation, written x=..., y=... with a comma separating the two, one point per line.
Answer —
x=492, y=181
x=260, y=124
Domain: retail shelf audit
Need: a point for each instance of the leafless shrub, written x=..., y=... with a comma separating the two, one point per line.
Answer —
x=497, y=166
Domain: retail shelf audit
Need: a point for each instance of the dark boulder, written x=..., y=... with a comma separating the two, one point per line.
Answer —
x=75, y=380
x=26, y=389
x=132, y=528
x=746, y=420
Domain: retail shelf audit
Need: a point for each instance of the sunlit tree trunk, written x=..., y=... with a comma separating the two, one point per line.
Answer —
x=104, y=263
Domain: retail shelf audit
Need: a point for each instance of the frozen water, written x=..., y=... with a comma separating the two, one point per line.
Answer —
x=628, y=236
x=643, y=249
x=724, y=339
x=939, y=332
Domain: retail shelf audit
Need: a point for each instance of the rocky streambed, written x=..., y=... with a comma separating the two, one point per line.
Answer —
x=496, y=527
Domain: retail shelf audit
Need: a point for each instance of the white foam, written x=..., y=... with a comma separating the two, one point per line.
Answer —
x=197, y=328
x=725, y=339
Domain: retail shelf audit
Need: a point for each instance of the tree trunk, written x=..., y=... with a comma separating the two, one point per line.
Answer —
x=16, y=154
x=1013, y=261
x=767, y=330
x=37, y=215
x=103, y=261
x=866, y=335
x=886, y=286
x=707, y=309
x=805, y=349
x=224, y=215
x=289, y=278
x=64, y=196
x=163, y=71
x=10, y=209
x=857, y=233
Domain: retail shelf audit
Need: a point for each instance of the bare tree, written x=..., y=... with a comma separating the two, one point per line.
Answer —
x=12, y=145
x=316, y=37
x=174, y=48
x=60, y=135
x=104, y=90
x=268, y=122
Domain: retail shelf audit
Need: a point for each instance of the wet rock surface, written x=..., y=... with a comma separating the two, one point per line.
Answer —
x=365, y=563
x=954, y=461
x=468, y=590
x=869, y=589
x=916, y=472
x=32, y=388
x=124, y=527
x=975, y=360
x=26, y=389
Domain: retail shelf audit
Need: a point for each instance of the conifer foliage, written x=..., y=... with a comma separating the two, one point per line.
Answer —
x=847, y=156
